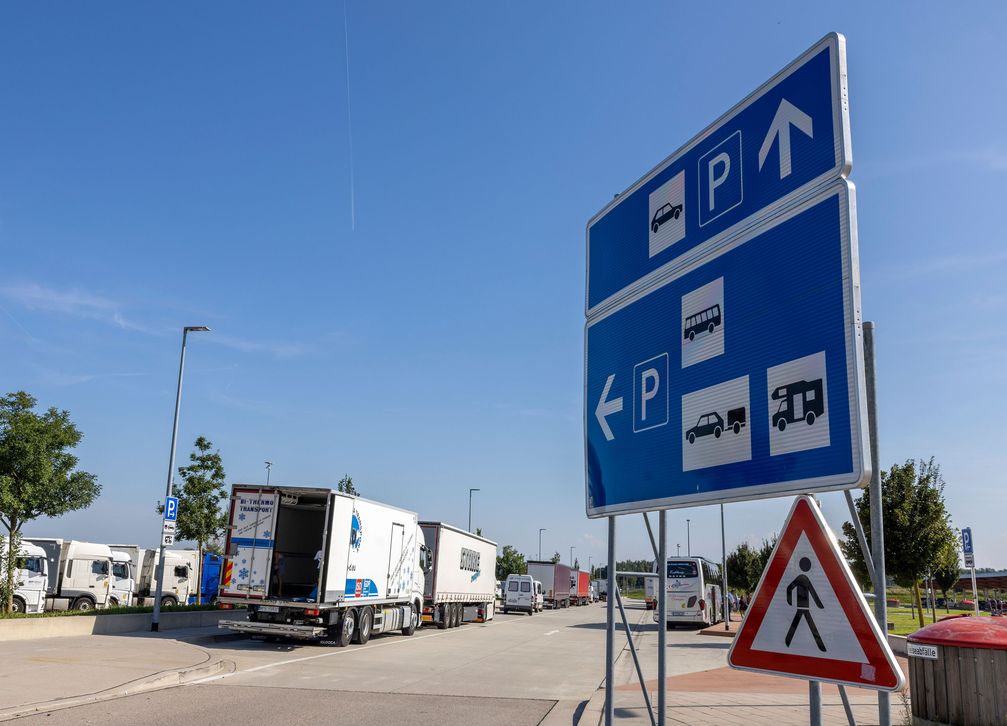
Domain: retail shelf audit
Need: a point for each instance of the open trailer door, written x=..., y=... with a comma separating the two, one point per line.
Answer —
x=250, y=542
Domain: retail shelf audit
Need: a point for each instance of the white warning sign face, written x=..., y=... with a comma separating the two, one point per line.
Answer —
x=808, y=618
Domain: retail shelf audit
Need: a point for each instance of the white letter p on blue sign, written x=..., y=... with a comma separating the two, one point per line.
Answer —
x=171, y=509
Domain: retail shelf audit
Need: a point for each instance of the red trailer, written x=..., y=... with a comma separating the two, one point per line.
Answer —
x=580, y=587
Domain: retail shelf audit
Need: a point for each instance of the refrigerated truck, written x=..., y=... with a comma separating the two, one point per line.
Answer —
x=78, y=573
x=555, y=579
x=580, y=587
x=312, y=563
x=460, y=584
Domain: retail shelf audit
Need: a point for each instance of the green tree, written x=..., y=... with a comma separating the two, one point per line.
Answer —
x=510, y=562
x=345, y=486
x=743, y=568
x=916, y=525
x=200, y=516
x=6, y=565
x=556, y=558
x=947, y=570
x=38, y=475
x=763, y=554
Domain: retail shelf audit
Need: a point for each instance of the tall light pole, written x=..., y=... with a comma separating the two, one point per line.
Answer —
x=470, y=506
x=269, y=469
x=678, y=550
x=156, y=616
x=540, y=531
x=688, y=540
x=572, y=548
x=590, y=569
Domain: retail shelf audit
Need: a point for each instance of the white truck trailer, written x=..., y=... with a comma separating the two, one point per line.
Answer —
x=79, y=574
x=460, y=583
x=30, y=581
x=316, y=564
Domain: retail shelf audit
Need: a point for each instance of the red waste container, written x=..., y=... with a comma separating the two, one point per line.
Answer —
x=958, y=671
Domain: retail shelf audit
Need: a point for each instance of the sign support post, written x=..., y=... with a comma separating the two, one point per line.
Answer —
x=723, y=559
x=815, y=702
x=662, y=616
x=877, y=507
x=610, y=628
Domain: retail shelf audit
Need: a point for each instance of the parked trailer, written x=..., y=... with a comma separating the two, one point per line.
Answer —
x=460, y=583
x=555, y=579
x=317, y=564
x=78, y=574
x=580, y=587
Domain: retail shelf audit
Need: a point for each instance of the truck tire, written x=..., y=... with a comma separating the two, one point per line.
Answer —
x=345, y=629
x=452, y=615
x=83, y=603
x=167, y=601
x=19, y=605
x=442, y=621
x=414, y=617
x=364, y=622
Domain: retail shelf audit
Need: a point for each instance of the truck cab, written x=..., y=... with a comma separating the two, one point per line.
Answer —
x=179, y=576
x=79, y=574
x=29, y=579
x=123, y=580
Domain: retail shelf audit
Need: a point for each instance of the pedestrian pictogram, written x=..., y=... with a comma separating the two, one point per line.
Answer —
x=808, y=619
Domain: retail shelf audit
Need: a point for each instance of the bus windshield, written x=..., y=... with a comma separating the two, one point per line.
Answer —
x=682, y=570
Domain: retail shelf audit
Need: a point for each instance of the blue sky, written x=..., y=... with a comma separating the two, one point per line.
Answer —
x=408, y=308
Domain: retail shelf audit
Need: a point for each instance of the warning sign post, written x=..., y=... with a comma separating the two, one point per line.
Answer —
x=808, y=618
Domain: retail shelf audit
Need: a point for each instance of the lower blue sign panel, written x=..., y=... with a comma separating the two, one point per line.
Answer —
x=737, y=377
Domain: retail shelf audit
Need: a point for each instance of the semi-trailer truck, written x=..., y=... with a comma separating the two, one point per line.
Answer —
x=30, y=581
x=179, y=574
x=460, y=582
x=580, y=587
x=313, y=563
x=555, y=579
x=78, y=574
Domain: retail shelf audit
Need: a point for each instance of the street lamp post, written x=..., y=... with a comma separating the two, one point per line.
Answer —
x=688, y=539
x=470, y=506
x=540, y=531
x=269, y=469
x=156, y=615
x=572, y=548
x=678, y=550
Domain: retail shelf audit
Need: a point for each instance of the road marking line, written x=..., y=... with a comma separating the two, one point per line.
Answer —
x=340, y=651
x=552, y=632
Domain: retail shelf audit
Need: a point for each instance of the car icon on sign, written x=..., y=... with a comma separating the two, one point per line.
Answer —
x=662, y=215
x=708, y=423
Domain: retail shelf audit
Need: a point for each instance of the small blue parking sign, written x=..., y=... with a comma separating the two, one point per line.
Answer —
x=171, y=509
x=967, y=541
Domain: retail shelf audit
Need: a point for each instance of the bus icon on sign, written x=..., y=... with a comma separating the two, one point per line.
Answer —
x=706, y=320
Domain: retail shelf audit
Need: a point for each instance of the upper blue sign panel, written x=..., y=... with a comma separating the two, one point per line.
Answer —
x=790, y=136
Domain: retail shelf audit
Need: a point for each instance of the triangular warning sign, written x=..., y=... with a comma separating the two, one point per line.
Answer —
x=808, y=619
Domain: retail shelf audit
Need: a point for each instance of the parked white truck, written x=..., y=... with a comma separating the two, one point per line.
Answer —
x=30, y=579
x=460, y=583
x=180, y=574
x=316, y=564
x=78, y=574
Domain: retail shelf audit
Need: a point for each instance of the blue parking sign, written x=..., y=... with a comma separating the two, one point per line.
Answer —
x=171, y=509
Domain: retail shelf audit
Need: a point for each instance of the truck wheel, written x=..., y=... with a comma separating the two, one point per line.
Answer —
x=443, y=623
x=19, y=606
x=414, y=617
x=83, y=603
x=363, y=633
x=455, y=620
x=167, y=602
x=346, y=629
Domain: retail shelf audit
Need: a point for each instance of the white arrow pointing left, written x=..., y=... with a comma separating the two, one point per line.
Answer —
x=607, y=408
x=786, y=115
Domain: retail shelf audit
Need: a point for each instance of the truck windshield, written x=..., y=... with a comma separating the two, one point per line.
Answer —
x=120, y=570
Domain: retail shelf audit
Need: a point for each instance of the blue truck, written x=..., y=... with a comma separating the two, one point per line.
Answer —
x=210, y=584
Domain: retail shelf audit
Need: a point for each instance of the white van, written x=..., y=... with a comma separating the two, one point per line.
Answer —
x=539, y=597
x=520, y=594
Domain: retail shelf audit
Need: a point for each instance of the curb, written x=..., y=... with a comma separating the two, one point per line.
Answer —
x=153, y=682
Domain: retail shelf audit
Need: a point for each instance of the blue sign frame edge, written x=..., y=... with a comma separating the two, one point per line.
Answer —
x=855, y=371
x=841, y=120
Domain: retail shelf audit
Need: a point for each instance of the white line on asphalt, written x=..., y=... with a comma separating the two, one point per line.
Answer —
x=552, y=632
x=341, y=651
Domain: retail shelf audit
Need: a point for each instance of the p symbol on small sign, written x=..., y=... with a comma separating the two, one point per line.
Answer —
x=171, y=509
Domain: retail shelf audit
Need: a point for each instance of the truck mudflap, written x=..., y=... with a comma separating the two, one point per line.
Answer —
x=282, y=630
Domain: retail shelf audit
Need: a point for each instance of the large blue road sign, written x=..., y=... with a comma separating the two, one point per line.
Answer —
x=738, y=376
x=789, y=137
x=171, y=509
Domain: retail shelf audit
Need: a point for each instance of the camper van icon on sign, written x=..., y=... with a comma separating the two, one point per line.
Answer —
x=797, y=397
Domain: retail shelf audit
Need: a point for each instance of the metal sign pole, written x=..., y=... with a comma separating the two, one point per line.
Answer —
x=662, y=616
x=877, y=507
x=815, y=698
x=723, y=574
x=610, y=628
x=975, y=591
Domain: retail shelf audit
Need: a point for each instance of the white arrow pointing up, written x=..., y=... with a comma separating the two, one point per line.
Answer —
x=786, y=115
x=607, y=408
